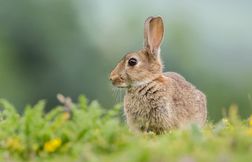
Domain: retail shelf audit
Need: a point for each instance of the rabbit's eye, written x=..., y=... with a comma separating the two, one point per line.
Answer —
x=132, y=62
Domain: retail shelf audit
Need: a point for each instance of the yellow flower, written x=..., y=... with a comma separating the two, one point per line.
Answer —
x=249, y=132
x=14, y=144
x=66, y=115
x=52, y=145
x=250, y=121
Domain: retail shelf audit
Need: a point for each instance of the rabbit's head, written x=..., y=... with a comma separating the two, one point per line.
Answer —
x=143, y=66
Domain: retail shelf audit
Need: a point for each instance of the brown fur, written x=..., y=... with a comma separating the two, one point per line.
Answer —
x=156, y=101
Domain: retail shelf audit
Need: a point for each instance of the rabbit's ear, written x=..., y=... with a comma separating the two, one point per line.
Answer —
x=153, y=33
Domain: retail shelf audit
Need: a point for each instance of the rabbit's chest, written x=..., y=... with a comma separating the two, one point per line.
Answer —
x=138, y=105
x=146, y=111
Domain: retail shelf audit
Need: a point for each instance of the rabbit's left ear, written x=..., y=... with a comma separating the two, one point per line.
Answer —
x=153, y=33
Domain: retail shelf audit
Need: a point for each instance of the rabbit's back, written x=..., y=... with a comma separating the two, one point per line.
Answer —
x=189, y=102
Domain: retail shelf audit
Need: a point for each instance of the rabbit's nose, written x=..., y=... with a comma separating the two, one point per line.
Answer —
x=112, y=77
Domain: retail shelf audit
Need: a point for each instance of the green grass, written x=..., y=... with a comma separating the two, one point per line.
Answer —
x=87, y=132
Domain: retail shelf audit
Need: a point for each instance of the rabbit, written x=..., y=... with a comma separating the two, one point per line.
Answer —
x=155, y=101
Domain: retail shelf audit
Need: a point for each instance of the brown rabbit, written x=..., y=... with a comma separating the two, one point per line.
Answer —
x=156, y=101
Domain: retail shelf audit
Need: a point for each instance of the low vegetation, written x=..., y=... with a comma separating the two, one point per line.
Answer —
x=87, y=132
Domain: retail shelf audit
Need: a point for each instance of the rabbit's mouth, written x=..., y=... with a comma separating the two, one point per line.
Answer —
x=118, y=81
x=119, y=84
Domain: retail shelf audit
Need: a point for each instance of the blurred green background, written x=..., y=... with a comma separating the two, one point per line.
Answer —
x=49, y=47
